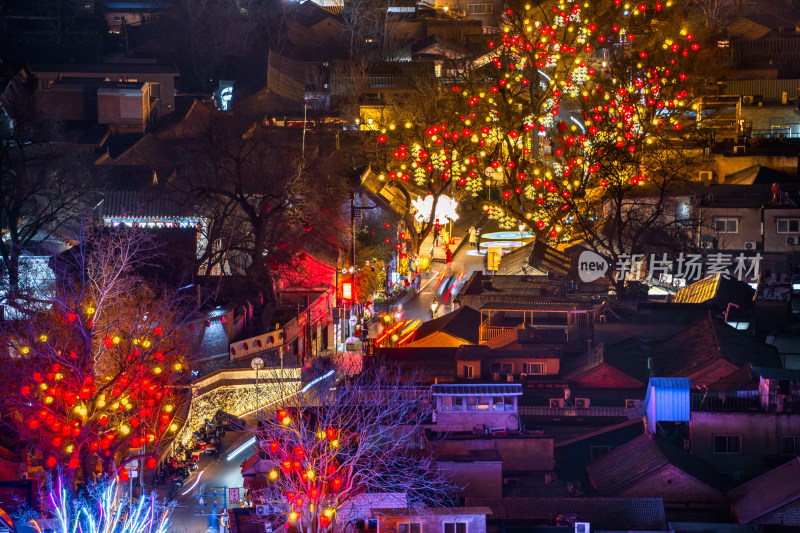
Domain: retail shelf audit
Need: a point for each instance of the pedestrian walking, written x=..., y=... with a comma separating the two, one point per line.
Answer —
x=473, y=237
x=436, y=234
x=478, y=239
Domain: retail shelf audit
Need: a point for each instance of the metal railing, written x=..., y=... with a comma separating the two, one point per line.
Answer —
x=730, y=402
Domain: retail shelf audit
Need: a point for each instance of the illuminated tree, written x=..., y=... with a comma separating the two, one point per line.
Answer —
x=573, y=100
x=105, y=509
x=90, y=370
x=332, y=445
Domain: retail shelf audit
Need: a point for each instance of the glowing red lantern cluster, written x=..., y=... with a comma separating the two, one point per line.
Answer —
x=549, y=61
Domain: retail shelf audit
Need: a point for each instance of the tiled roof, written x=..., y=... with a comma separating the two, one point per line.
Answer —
x=705, y=341
x=620, y=514
x=641, y=457
x=463, y=323
x=717, y=288
x=495, y=389
x=767, y=492
x=105, y=68
x=144, y=204
x=544, y=306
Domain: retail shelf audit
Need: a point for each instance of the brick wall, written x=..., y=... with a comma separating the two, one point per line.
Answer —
x=677, y=488
x=518, y=454
x=788, y=515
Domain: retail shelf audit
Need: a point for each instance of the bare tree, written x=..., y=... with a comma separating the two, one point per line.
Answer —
x=267, y=194
x=42, y=182
x=90, y=368
x=330, y=445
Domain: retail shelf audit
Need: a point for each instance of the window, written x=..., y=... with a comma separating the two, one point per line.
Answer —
x=727, y=444
x=726, y=225
x=445, y=403
x=510, y=403
x=506, y=368
x=480, y=9
x=410, y=527
x=790, y=445
x=533, y=368
x=599, y=451
x=455, y=527
x=458, y=402
x=789, y=225
x=484, y=403
x=472, y=403
x=468, y=372
x=497, y=403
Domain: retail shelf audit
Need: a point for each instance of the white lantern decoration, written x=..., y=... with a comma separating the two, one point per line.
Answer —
x=445, y=209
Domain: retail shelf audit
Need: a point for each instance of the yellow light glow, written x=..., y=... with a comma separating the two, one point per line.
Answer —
x=168, y=408
x=273, y=475
x=115, y=339
x=173, y=427
x=293, y=516
x=43, y=337
x=124, y=430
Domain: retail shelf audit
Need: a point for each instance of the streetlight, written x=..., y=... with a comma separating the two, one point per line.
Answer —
x=257, y=364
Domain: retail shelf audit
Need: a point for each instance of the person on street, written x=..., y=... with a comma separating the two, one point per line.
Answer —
x=436, y=234
x=473, y=237
x=478, y=239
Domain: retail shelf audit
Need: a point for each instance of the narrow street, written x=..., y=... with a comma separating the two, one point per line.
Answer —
x=466, y=260
x=213, y=473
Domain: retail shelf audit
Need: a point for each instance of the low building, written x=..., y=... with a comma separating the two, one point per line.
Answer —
x=483, y=363
x=479, y=472
x=447, y=520
x=451, y=330
x=648, y=467
x=608, y=514
x=770, y=499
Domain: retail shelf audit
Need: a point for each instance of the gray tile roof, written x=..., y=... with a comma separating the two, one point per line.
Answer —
x=499, y=389
x=642, y=457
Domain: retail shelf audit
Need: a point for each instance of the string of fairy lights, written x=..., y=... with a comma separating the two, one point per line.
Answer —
x=544, y=127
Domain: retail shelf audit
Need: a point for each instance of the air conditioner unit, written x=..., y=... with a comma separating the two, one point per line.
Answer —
x=748, y=99
x=262, y=510
x=792, y=240
x=510, y=378
x=582, y=527
x=705, y=175
x=556, y=403
x=750, y=245
x=582, y=403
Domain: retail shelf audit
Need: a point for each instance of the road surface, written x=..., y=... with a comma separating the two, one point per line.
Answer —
x=212, y=473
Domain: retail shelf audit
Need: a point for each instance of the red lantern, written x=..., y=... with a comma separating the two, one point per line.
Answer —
x=74, y=462
x=273, y=446
x=337, y=484
x=123, y=475
x=51, y=462
x=330, y=433
x=151, y=462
